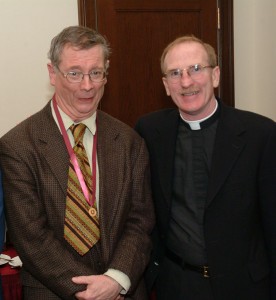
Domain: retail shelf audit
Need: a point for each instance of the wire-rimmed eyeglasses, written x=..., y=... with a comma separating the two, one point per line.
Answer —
x=194, y=71
x=76, y=76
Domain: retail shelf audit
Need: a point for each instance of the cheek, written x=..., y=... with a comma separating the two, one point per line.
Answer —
x=100, y=92
x=100, y=89
x=66, y=86
x=173, y=90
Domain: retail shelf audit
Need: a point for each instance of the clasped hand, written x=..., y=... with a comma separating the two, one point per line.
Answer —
x=99, y=287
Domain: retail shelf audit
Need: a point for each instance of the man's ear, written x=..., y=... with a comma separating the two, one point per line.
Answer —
x=216, y=76
x=166, y=86
x=52, y=73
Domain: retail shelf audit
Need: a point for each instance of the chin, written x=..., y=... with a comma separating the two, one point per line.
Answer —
x=191, y=108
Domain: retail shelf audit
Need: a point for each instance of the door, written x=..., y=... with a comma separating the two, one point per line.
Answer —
x=138, y=31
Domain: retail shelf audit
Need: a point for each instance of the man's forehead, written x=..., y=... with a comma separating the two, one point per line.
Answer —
x=186, y=51
x=189, y=47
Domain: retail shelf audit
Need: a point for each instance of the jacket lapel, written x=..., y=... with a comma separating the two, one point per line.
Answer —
x=52, y=146
x=109, y=179
x=229, y=143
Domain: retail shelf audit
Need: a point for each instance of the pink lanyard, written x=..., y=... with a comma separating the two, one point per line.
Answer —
x=75, y=161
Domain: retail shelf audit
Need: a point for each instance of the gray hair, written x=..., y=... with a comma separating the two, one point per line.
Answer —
x=80, y=37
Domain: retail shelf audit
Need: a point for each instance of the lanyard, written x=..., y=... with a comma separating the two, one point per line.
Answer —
x=74, y=160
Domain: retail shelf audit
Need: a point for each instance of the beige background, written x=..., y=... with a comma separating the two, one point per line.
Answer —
x=27, y=27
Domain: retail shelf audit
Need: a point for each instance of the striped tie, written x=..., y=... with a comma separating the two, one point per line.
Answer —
x=81, y=230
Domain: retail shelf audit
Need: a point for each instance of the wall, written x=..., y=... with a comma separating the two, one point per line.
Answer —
x=26, y=30
x=27, y=27
x=255, y=49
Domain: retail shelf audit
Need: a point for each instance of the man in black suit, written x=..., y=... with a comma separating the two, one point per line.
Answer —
x=214, y=186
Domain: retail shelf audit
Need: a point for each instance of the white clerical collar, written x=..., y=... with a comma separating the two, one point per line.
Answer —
x=195, y=125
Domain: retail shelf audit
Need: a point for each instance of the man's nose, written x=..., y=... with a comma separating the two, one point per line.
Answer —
x=86, y=82
x=186, y=79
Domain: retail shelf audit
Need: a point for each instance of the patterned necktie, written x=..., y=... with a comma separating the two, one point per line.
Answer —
x=81, y=230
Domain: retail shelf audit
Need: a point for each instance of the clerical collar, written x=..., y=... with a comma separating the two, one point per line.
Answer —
x=202, y=123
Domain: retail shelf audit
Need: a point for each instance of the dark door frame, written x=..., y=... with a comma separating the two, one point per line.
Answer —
x=225, y=47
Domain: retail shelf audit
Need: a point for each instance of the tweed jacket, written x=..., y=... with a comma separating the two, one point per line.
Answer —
x=35, y=162
x=240, y=211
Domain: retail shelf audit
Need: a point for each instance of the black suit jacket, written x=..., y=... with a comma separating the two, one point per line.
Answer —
x=240, y=214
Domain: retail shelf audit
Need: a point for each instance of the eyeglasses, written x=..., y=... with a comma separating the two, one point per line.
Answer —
x=77, y=77
x=194, y=71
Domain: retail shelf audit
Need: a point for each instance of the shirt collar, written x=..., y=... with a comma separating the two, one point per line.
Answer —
x=202, y=123
x=67, y=121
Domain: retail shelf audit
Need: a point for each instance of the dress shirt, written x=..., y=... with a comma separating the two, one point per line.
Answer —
x=90, y=131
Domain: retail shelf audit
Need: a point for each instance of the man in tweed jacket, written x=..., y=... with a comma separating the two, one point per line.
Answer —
x=35, y=162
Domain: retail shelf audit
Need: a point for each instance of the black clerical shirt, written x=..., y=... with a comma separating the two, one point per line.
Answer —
x=192, y=165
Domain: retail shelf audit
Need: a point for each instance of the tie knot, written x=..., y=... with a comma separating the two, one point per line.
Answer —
x=78, y=132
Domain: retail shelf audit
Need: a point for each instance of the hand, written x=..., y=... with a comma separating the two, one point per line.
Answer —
x=99, y=287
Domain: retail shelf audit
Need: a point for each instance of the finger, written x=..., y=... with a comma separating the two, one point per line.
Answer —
x=79, y=295
x=80, y=279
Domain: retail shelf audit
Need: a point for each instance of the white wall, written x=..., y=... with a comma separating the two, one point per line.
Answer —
x=26, y=30
x=27, y=27
x=255, y=50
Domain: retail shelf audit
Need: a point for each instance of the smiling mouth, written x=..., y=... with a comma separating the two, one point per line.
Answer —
x=190, y=93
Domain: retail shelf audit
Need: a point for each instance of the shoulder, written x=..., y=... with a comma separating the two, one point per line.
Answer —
x=31, y=131
x=113, y=127
x=30, y=127
x=247, y=119
x=157, y=121
x=159, y=115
